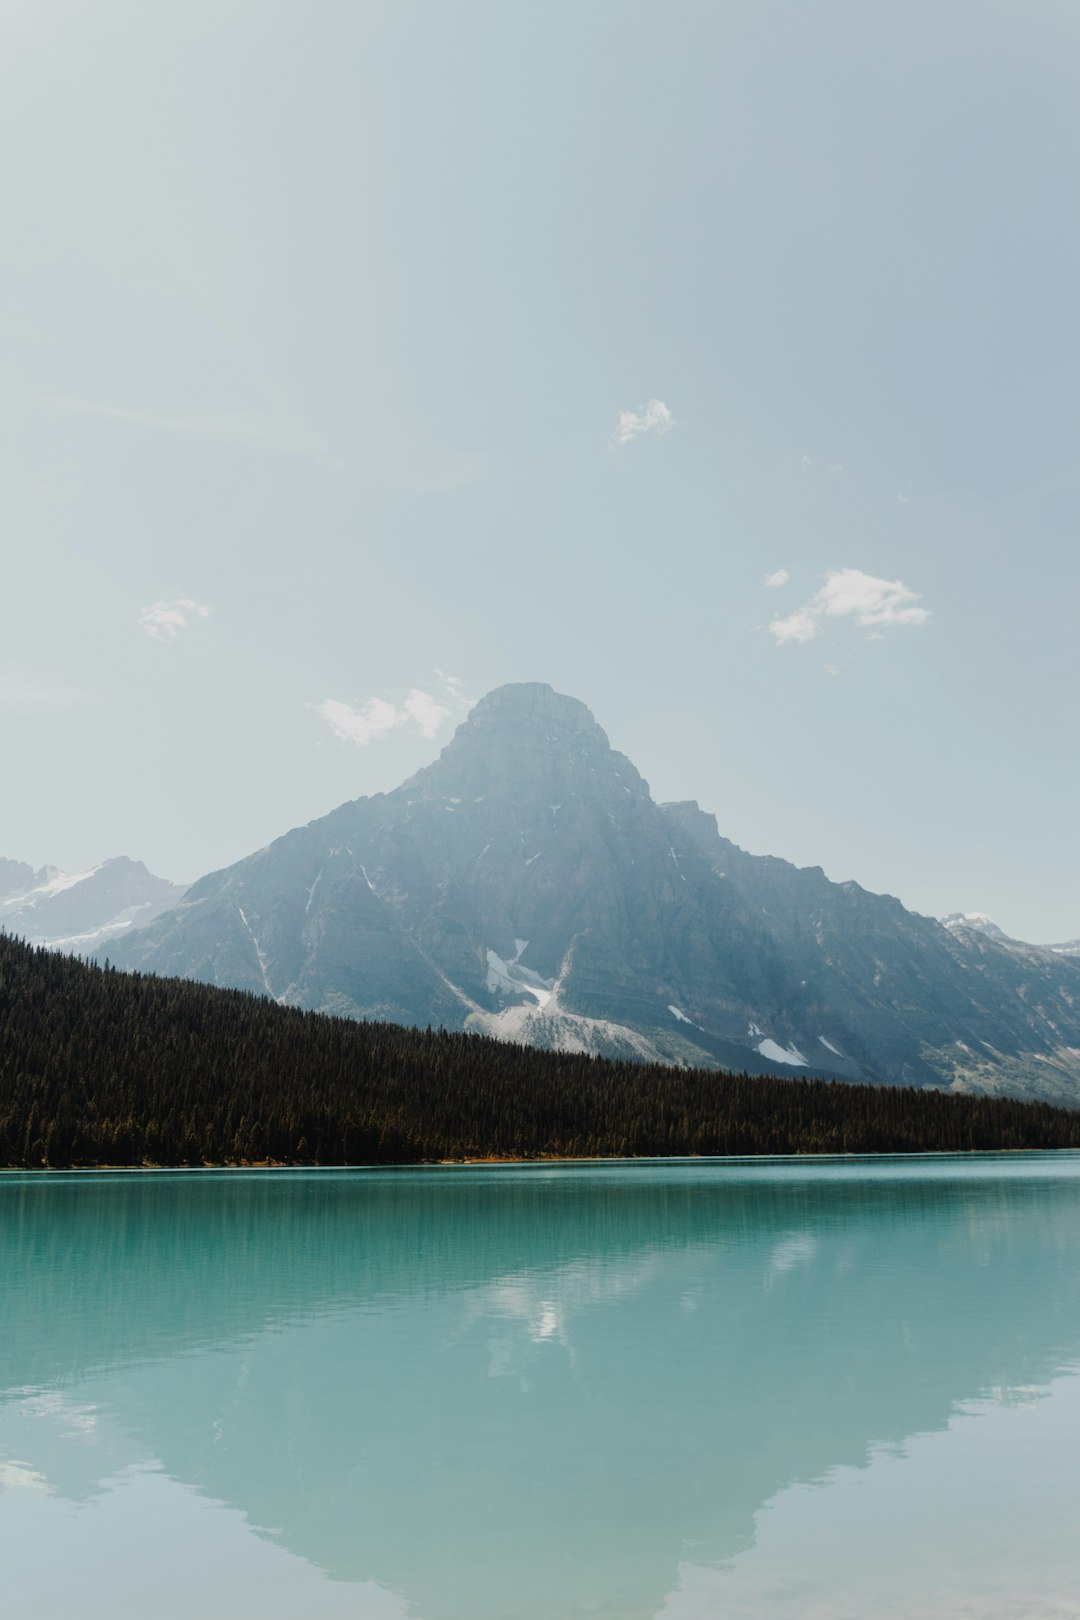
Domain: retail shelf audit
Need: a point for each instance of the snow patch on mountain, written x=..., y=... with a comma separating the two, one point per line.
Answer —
x=45, y=884
x=548, y=1026
x=130, y=917
x=541, y=1021
x=259, y=952
x=781, y=1054
x=60, y=881
x=677, y=1012
x=512, y=978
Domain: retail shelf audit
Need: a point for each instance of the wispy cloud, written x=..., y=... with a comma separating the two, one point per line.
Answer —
x=849, y=593
x=163, y=621
x=454, y=688
x=652, y=418
x=778, y=577
x=254, y=429
x=420, y=710
x=31, y=694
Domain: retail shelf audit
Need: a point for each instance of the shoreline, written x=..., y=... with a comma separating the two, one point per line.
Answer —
x=521, y=1162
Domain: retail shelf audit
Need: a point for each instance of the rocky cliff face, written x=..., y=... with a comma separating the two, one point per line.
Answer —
x=83, y=911
x=527, y=884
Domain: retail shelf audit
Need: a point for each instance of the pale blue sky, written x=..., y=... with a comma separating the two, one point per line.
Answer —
x=323, y=317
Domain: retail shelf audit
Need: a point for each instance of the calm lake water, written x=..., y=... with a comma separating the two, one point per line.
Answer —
x=693, y=1391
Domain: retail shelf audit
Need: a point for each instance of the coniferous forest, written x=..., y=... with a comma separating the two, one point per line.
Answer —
x=102, y=1067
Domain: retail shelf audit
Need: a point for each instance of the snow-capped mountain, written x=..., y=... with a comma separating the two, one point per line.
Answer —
x=81, y=911
x=526, y=884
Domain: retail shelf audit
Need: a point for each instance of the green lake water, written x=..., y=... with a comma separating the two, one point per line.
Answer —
x=713, y=1389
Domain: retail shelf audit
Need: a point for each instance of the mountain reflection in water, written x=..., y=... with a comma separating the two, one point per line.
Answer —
x=541, y=1392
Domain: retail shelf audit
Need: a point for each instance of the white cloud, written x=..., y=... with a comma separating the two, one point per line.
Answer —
x=779, y=577
x=802, y=625
x=360, y=726
x=848, y=593
x=652, y=418
x=377, y=717
x=426, y=713
x=165, y=620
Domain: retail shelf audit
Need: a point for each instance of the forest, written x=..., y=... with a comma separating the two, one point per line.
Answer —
x=99, y=1067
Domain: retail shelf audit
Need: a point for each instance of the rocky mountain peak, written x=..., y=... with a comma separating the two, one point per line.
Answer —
x=121, y=866
x=524, y=703
x=526, y=740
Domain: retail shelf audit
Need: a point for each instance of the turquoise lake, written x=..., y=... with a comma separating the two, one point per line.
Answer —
x=821, y=1389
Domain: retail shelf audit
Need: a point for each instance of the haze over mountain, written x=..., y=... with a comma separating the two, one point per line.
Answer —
x=527, y=885
x=83, y=910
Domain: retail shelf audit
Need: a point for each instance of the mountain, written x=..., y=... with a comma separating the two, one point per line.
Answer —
x=84, y=911
x=527, y=885
x=979, y=923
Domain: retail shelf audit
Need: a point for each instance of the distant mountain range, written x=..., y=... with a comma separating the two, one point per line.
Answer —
x=81, y=911
x=526, y=885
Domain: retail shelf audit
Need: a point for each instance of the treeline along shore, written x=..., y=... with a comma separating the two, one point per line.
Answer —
x=99, y=1067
